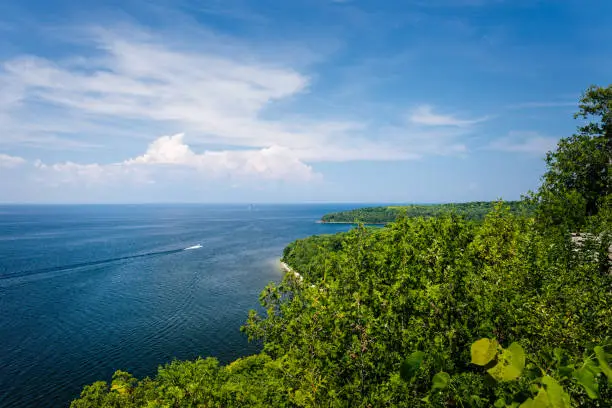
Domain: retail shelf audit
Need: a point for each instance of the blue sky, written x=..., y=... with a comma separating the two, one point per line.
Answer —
x=290, y=101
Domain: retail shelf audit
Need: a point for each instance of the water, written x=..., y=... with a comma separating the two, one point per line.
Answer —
x=87, y=290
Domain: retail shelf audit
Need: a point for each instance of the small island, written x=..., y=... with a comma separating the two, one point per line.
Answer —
x=473, y=211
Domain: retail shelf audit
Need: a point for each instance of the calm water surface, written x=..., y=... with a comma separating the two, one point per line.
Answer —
x=87, y=290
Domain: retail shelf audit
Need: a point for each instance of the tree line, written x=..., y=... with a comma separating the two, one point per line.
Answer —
x=475, y=211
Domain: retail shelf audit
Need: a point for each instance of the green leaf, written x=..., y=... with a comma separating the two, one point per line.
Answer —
x=440, y=381
x=518, y=356
x=566, y=371
x=500, y=403
x=540, y=401
x=603, y=363
x=557, y=396
x=120, y=388
x=483, y=351
x=510, y=364
x=559, y=355
x=411, y=365
x=586, y=377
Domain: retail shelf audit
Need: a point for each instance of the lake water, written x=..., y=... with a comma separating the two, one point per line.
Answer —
x=87, y=290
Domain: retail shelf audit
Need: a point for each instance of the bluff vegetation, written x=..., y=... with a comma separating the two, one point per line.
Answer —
x=431, y=312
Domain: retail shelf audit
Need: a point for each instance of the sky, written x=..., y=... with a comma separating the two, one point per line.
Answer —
x=236, y=101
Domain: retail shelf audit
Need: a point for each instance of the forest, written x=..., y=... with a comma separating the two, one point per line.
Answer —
x=475, y=211
x=432, y=311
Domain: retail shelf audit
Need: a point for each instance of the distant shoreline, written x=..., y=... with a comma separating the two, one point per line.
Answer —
x=351, y=222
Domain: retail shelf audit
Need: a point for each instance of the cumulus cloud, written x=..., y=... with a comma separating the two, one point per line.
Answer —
x=524, y=142
x=424, y=115
x=171, y=153
x=274, y=162
x=8, y=161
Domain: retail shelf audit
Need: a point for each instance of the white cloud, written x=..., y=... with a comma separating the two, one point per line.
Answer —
x=524, y=142
x=273, y=162
x=170, y=153
x=424, y=115
x=133, y=84
x=139, y=78
x=8, y=161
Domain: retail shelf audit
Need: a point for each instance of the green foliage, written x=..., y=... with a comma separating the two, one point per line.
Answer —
x=585, y=376
x=411, y=365
x=547, y=391
x=434, y=285
x=248, y=382
x=603, y=358
x=341, y=336
x=550, y=395
x=345, y=333
x=578, y=181
x=475, y=211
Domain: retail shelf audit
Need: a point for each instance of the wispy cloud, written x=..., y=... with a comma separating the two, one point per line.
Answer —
x=524, y=142
x=454, y=3
x=536, y=105
x=424, y=115
x=137, y=79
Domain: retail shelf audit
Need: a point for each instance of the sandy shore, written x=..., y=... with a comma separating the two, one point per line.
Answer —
x=286, y=268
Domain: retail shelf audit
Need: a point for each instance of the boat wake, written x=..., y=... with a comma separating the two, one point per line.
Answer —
x=92, y=263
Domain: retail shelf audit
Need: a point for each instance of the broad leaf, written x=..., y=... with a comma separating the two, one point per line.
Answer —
x=411, y=365
x=603, y=363
x=557, y=396
x=540, y=401
x=510, y=364
x=484, y=351
x=586, y=377
x=500, y=403
x=440, y=381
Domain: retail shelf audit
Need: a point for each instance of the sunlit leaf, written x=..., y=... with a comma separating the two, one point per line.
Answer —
x=540, y=401
x=484, y=351
x=556, y=395
x=510, y=364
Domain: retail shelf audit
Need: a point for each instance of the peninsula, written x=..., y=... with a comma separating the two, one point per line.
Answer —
x=473, y=211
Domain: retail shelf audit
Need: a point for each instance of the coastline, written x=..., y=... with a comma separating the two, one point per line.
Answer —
x=352, y=222
x=287, y=269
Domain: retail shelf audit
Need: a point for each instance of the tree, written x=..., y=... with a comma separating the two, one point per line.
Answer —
x=579, y=170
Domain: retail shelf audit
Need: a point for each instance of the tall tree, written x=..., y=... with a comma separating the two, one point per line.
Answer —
x=579, y=171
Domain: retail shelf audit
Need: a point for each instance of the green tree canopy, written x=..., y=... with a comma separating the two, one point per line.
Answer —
x=577, y=180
